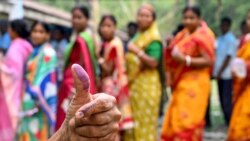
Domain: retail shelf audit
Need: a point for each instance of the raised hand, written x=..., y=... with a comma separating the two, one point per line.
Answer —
x=89, y=117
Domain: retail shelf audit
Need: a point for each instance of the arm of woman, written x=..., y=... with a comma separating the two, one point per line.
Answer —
x=204, y=60
x=107, y=65
x=206, y=50
x=151, y=56
x=45, y=85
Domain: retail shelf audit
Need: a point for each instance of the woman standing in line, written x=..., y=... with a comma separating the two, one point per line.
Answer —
x=81, y=50
x=189, y=58
x=113, y=72
x=144, y=60
x=11, y=83
x=39, y=99
x=239, y=129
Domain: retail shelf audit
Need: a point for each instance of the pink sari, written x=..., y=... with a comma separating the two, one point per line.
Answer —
x=11, y=85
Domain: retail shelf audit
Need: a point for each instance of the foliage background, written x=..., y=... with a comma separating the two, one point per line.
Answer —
x=168, y=11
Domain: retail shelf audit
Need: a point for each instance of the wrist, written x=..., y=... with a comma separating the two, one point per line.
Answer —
x=101, y=60
x=62, y=134
x=188, y=60
x=140, y=53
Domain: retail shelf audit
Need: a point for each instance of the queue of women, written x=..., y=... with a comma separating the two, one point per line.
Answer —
x=35, y=107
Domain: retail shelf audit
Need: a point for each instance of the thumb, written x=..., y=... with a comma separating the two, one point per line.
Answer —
x=81, y=79
x=82, y=84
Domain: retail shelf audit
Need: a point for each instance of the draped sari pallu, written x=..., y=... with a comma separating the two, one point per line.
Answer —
x=11, y=86
x=239, y=129
x=37, y=119
x=184, y=119
x=78, y=51
x=117, y=83
x=6, y=129
x=145, y=90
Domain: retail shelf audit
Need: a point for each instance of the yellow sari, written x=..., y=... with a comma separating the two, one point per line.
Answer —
x=145, y=90
x=239, y=129
x=184, y=118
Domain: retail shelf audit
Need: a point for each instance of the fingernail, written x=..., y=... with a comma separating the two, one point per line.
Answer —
x=79, y=114
x=81, y=74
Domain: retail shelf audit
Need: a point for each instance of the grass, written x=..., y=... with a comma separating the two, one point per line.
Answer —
x=215, y=109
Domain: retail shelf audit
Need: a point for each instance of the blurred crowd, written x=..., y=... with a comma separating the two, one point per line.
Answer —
x=149, y=77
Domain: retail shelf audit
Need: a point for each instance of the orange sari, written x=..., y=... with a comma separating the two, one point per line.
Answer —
x=184, y=119
x=239, y=129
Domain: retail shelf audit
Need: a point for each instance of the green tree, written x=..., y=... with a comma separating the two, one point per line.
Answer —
x=168, y=11
x=235, y=9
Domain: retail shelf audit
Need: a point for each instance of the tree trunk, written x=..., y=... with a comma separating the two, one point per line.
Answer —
x=218, y=11
x=190, y=2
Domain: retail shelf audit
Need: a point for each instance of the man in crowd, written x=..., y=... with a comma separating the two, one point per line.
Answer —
x=226, y=47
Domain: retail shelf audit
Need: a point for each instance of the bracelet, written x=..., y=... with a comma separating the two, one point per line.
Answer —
x=188, y=60
x=140, y=54
x=101, y=61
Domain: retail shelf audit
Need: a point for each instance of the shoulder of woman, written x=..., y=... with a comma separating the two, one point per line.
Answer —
x=247, y=37
x=155, y=43
x=116, y=42
x=204, y=35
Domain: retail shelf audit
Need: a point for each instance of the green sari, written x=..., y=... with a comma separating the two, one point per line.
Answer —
x=91, y=47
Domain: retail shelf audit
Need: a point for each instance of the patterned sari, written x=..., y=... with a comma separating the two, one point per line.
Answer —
x=116, y=83
x=145, y=90
x=239, y=129
x=184, y=118
x=37, y=119
x=79, y=51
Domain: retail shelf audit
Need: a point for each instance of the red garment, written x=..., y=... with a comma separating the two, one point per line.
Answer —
x=116, y=82
x=80, y=55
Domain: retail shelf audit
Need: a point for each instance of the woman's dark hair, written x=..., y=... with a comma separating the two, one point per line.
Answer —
x=20, y=27
x=83, y=9
x=243, y=23
x=179, y=28
x=132, y=25
x=194, y=9
x=43, y=24
x=110, y=17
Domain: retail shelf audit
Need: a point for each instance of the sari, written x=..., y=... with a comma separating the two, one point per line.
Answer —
x=11, y=86
x=239, y=129
x=145, y=89
x=184, y=118
x=116, y=83
x=37, y=119
x=78, y=52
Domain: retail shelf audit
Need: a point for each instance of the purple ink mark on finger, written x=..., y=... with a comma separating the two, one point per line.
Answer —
x=82, y=75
